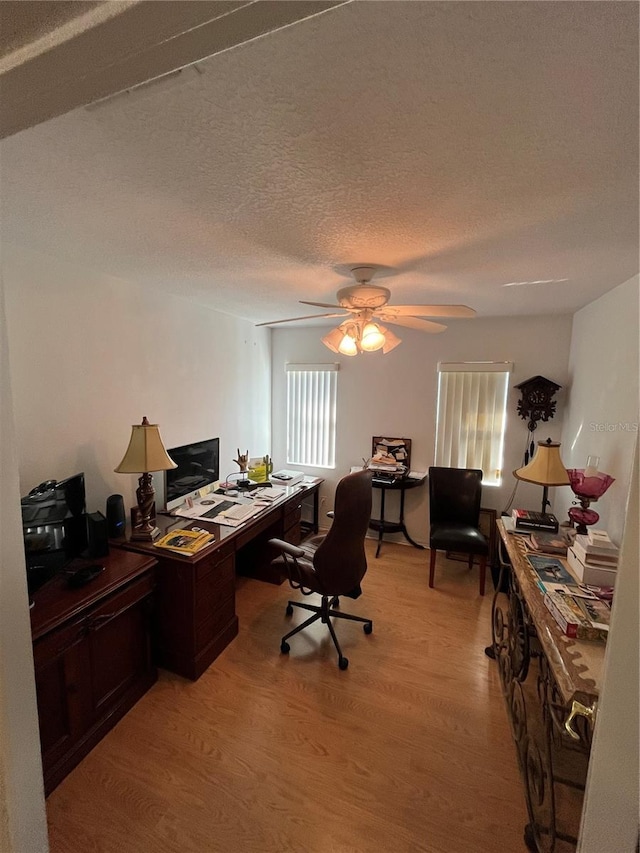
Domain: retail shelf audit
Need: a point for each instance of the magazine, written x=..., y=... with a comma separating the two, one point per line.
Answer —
x=550, y=570
x=185, y=541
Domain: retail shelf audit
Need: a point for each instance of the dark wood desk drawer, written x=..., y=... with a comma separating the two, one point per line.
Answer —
x=211, y=563
x=292, y=516
x=250, y=535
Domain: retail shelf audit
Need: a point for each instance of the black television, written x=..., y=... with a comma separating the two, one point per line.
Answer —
x=54, y=527
x=198, y=465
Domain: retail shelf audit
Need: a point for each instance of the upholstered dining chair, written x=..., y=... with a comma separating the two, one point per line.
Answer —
x=331, y=565
x=454, y=514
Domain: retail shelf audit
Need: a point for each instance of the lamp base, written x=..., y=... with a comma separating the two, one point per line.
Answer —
x=138, y=535
x=581, y=517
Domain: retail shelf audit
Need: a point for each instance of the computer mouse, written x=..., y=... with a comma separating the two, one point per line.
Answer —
x=83, y=576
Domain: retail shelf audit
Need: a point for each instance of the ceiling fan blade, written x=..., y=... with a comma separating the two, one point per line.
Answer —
x=295, y=319
x=430, y=310
x=410, y=322
x=319, y=304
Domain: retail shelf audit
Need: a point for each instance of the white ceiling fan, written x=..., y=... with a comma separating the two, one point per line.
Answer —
x=365, y=304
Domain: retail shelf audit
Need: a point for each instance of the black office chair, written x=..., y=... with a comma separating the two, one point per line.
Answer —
x=334, y=564
x=454, y=515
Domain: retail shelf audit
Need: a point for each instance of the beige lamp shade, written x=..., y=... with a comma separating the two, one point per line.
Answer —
x=146, y=451
x=546, y=468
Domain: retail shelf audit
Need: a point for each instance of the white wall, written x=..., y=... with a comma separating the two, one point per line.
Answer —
x=23, y=827
x=92, y=354
x=395, y=395
x=610, y=814
x=602, y=410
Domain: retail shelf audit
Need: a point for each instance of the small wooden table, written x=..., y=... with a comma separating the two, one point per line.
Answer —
x=551, y=719
x=402, y=484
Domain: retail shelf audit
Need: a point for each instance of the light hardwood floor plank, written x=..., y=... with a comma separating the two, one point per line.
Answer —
x=409, y=750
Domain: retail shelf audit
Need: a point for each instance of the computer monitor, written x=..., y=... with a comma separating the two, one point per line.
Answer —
x=198, y=465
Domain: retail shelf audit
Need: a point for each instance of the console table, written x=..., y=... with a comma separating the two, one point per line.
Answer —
x=402, y=484
x=195, y=616
x=552, y=713
x=92, y=656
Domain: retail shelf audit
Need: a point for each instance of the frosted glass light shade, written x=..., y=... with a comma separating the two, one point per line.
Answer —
x=391, y=341
x=145, y=452
x=546, y=468
x=372, y=338
x=333, y=339
x=348, y=345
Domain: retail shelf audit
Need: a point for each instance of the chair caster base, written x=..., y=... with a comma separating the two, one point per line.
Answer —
x=343, y=663
x=285, y=648
x=367, y=627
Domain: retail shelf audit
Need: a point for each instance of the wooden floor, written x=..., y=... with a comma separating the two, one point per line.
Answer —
x=407, y=750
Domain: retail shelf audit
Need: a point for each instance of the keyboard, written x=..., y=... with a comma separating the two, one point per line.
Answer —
x=223, y=506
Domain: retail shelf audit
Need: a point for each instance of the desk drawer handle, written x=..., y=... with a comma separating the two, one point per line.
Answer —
x=580, y=710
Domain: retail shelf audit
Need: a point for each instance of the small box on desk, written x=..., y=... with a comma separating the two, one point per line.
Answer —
x=287, y=478
x=594, y=575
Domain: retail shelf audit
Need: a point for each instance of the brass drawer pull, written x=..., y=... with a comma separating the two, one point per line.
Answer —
x=578, y=709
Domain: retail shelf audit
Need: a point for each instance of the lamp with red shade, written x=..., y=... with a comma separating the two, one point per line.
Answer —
x=588, y=484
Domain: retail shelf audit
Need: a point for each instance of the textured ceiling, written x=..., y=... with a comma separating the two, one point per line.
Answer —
x=462, y=145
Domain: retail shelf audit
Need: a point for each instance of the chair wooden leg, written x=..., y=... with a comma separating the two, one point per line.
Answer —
x=470, y=561
x=483, y=573
x=432, y=566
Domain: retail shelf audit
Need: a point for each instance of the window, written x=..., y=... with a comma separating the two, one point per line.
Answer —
x=471, y=416
x=311, y=414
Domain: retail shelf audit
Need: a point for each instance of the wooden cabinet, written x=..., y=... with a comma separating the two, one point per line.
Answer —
x=92, y=658
x=195, y=617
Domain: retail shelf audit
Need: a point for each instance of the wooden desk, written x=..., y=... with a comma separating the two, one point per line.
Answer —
x=402, y=484
x=92, y=656
x=552, y=719
x=195, y=616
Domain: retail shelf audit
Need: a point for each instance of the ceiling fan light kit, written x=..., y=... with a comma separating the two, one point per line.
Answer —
x=366, y=303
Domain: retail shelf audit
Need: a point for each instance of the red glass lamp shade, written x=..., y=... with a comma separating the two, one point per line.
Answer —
x=588, y=489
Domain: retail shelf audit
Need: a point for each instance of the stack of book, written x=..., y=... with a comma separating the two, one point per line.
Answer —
x=526, y=519
x=594, y=558
x=579, y=611
x=187, y=542
x=543, y=542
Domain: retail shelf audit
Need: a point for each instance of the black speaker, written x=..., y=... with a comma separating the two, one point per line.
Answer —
x=116, y=521
x=97, y=534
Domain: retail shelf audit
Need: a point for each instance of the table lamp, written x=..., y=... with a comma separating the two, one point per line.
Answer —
x=146, y=453
x=587, y=484
x=545, y=469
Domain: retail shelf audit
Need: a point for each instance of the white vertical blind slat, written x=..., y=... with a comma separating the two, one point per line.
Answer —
x=471, y=419
x=311, y=419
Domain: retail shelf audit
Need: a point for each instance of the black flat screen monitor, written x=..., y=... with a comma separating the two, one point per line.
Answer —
x=198, y=466
x=54, y=527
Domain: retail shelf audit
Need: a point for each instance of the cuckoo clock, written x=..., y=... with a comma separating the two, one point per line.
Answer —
x=537, y=403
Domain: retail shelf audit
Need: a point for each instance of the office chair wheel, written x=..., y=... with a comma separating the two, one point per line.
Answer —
x=285, y=648
x=367, y=627
x=335, y=601
x=289, y=609
x=343, y=663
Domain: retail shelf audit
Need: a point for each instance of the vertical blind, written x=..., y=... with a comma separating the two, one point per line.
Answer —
x=311, y=414
x=471, y=416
